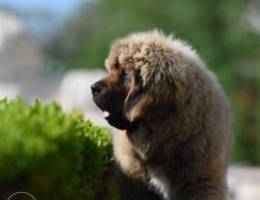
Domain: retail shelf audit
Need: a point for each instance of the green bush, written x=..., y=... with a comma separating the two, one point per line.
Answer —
x=50, y=154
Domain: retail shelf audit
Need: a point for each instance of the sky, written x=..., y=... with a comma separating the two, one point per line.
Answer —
x=41, y=17
x=64, y=7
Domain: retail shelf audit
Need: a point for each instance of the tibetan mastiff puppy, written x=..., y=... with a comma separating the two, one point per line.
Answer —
x=172, y=117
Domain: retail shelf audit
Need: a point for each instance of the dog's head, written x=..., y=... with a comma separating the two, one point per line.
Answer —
x=146, y=78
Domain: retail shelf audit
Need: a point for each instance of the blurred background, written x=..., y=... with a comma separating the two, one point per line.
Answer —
x=54, y=50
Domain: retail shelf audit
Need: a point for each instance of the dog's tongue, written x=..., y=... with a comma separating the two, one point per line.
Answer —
x=105, y=114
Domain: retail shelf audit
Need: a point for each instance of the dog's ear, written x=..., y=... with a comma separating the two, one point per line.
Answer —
x=139, y=107
x=137, y=100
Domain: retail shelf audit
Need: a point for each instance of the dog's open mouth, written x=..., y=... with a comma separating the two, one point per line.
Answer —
x=105, y=114
x=115, y=118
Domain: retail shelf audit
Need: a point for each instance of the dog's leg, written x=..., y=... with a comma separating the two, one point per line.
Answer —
x=134, y=190
x=203, y=192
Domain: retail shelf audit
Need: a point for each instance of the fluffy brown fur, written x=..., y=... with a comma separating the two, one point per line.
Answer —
x=174, y=118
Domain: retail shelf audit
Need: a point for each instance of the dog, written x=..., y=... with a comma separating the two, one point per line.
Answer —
x=172, y=117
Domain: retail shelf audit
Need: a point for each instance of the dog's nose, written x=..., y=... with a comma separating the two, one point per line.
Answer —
x=96, y=88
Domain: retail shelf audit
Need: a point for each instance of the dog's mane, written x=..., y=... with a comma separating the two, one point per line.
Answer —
x=185, y=116
x=153, y=50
